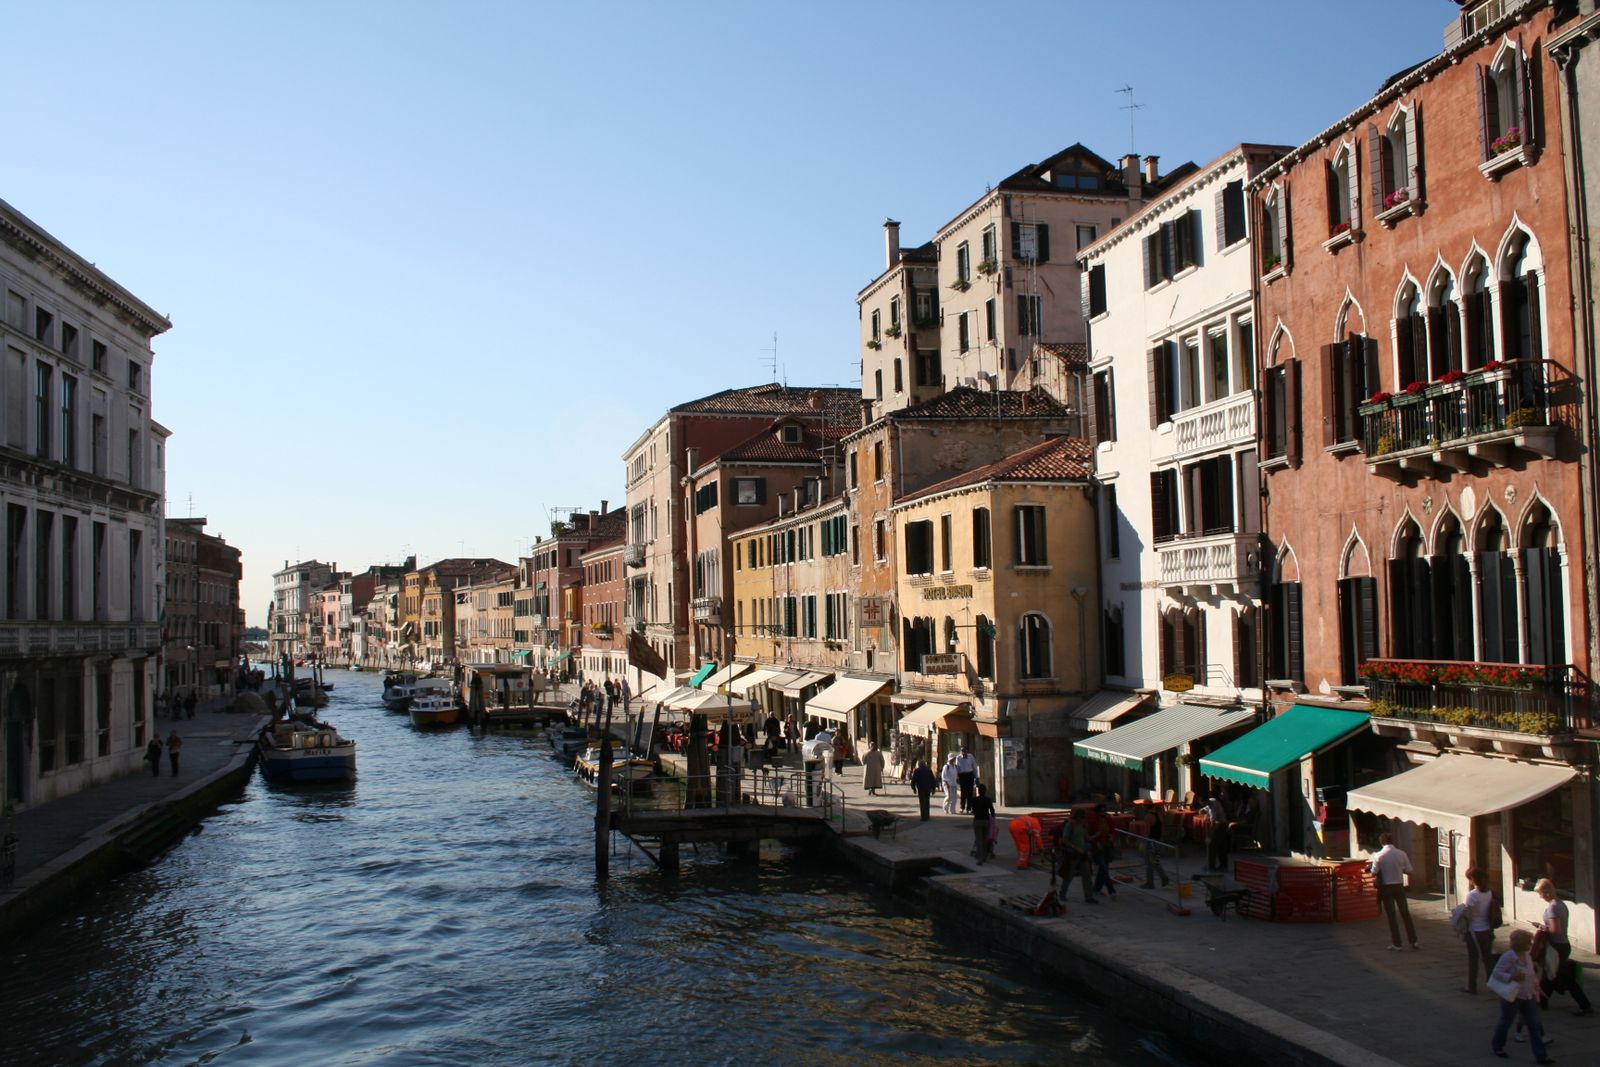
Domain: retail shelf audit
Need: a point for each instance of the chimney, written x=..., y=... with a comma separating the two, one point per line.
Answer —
x=1150, y=171
x=1130, y=171
x=891, y=242
x=605, y=506
x=691, y=460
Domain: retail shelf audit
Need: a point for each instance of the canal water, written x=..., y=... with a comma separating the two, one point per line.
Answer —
x=443, y=910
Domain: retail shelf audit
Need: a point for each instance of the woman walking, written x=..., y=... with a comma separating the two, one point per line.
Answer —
x=1480, y=928
x=1555, y=931
x=982, y=815
x=1519, y=996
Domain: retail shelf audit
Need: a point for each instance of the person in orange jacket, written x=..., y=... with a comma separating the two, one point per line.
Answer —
x=1028, y=834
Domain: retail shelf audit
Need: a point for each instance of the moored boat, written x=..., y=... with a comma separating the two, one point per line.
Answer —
x=433, y=707
x=625, y=770
x=303, y=749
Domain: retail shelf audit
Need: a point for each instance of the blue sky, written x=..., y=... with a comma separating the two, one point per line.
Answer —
x=432, y=267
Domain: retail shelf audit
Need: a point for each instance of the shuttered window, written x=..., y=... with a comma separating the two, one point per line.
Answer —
x=1030, y=543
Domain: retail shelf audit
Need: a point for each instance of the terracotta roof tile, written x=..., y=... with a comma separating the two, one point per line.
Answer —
x=776, y=399
x=769, y=446
x=1056, y=458
x=965, y=402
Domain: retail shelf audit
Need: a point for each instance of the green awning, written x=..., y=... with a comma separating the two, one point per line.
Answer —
x=701, y=675
x=1129, y=746
x=565, y=655
x=522, y=653
x=1301, y=731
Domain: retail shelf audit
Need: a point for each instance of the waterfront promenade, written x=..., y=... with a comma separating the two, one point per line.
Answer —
x=1332, y=989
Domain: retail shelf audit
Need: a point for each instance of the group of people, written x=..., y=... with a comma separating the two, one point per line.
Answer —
x=176, y=705
x=597, y=699
x=152, y=753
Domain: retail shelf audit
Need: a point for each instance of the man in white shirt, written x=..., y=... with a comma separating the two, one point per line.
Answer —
x=966, y=777
x=1390, y=866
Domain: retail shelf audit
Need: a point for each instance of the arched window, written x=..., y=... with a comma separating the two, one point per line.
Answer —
x=1451, y=576
x=1395, y=173
x=985, y=640
x=1342, y=191
x=1544, y=588
x=918, y=641
x=1520, y=330
x=1477, y=313
x=1410, y=338
x=1274, y=224
x=1444, y=325
x=1033, y=644
x=1410, y=595
x=1497, y=593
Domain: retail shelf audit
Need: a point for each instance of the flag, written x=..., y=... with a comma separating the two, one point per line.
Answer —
x=641, y=655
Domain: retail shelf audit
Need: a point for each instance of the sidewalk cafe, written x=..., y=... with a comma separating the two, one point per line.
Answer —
x=1144, y=749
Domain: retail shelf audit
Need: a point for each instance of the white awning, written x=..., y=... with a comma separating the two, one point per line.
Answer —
x=684, y=697
x=653, y=689
x=1447, y=793
x=841, y=698
x=783, y=679
x=742, y=686
x=796, y=686
x=935, y=714
x=725, y=675
x=1100, y=712
x=1129, y=746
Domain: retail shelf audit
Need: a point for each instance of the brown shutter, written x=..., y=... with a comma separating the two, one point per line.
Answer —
x=1522, y=84
x=1375, y=151
x=1330, y=360
x=1483, y=114
x=1154, y=391
x=1238, y=650
x=1041, y=242
x=1531, y=295
x=1369, y=371
x=1149, y=261
x=1414, y=150
x=1199, y=657
x=1419, y=348
x=1291, y=410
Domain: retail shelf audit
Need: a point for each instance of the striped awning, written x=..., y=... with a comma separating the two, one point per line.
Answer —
x=1129, y=746
x=797, y=685
x=742, y=686
x=843, y=696
x=1099, y=714
x=725, y=675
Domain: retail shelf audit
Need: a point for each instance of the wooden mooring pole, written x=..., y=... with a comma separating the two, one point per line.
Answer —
x=602, y=807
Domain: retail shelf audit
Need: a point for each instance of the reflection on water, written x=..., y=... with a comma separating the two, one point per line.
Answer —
x=443, y=910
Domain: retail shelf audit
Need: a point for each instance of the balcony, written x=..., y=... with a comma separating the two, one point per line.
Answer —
x=1213, y=562
x=1225, y=423
x=633, y=554
x=707, y=609
x=1478, y=705
x=1489, y=416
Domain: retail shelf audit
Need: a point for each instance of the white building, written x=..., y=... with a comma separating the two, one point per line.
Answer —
x=1172, y=348
x=294, y=605
x=82, y=485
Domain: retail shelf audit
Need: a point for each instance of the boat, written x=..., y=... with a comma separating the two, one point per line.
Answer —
x=625, y=770
x=568, y=741
x=302, y=749
x=308, y=693
x=403, y=688
x=433, y=707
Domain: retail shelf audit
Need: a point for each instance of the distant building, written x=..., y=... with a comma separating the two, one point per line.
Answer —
x=203, y=626
x=296, y=607
x=81, y=489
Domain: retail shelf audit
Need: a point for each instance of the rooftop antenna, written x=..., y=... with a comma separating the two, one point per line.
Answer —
x=771, y=361
x=191, y=505
x=1130, y=107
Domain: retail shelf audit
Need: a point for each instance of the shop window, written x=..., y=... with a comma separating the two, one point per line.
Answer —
x=1542, y=834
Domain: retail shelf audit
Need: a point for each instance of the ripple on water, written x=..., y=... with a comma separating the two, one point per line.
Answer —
x=443, y=910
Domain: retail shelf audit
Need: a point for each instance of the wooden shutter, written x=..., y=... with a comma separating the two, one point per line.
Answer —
x=1352, y=183
x=1294, y=638
x=1527, y=116
x=1149, y=263
x=1291, y=410
x=1197, y=239
x=1198, y=656
x=1375, y=151
x=1169, y=249
x=1158, y=505
x=1404, y=353
x=1220, y=225
x=1472, y=310
x=1041, y=242
x=1111, y=403
x=1489, y=606
x=1154, y=391
x=1419, y=349
x=1367, y=601
x=1414, y=150
x=1367, y=367
x=1483, y=113
x=1530, y=293
x=1016, y=240
x=1224, y=494
x=1285, y=226
x=1084, y=301
x=1249, y=492
x=1330, y=369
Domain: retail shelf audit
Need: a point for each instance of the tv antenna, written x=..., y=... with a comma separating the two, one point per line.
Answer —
x=1130, y=107
x=771, y=361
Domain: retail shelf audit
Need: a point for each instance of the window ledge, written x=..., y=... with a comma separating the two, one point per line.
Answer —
x=1100, y=316
x=1343, y=448
x=1185, y=272
x=1272, y=463
x=1274, y=274
x=1339, y=240
x=1495, y=166
x=1042, y=568
x=1389, y=216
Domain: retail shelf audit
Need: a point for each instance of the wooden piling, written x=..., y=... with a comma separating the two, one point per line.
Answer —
x=602, y=806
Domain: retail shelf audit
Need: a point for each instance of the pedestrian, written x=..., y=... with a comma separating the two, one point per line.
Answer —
x=923, y=784
x=1216, y=835
x=1390, y=866
x=1480, y=908
x=152, y=756
x=791, y=733
x=1564, y=980
x=951, y=782
x=1102, y=846
x=872, y=769
x=1027, y=834
x=1072, y=855
x=1514, y=982
x=188, y=705
x=966, y=777
x=174, y=743
x=982, y=815
x=1152, y=852
x=774, y=733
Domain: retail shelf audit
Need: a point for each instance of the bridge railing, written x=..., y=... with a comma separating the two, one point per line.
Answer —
x=806, y=792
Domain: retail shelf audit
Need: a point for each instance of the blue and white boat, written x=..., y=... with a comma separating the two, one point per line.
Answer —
x=305, y=750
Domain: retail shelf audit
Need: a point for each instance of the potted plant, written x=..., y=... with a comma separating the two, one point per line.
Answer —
x=988, y=266
x=1340, y=228
x=874, y=345
x=1512, y=138
x=893, y=331
x=961, y=285
x=1396, y=198
x=1526, y=415
x=1271, y=262
x=1386, y=444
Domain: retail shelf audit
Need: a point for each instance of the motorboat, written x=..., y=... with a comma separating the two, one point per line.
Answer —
x=302, y=749
x=398, y=697
x=433, y=707
x=568, y=741
x=625, y=770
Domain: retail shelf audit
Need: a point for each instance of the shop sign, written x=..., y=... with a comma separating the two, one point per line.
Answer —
x=941, y=663
x=874, y=612
x=1445, y=854
x=1010, y=753
x=1177, y=683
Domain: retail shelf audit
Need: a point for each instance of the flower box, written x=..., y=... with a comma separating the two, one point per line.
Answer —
x=988, y=266
x=1512, y=138
x=961, y=285
x=893, y=331
x=874, y=345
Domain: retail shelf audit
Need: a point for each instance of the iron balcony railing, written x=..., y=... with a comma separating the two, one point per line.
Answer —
x=1517, y=698
x=1521, y=403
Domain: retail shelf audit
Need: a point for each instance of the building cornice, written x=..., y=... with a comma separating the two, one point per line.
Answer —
x=36, y=243
x=989, y=486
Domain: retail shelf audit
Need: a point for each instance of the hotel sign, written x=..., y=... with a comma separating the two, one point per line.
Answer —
x=942, y=663
x=947, y=592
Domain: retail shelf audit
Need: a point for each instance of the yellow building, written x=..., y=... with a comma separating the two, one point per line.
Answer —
x=998, y=603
